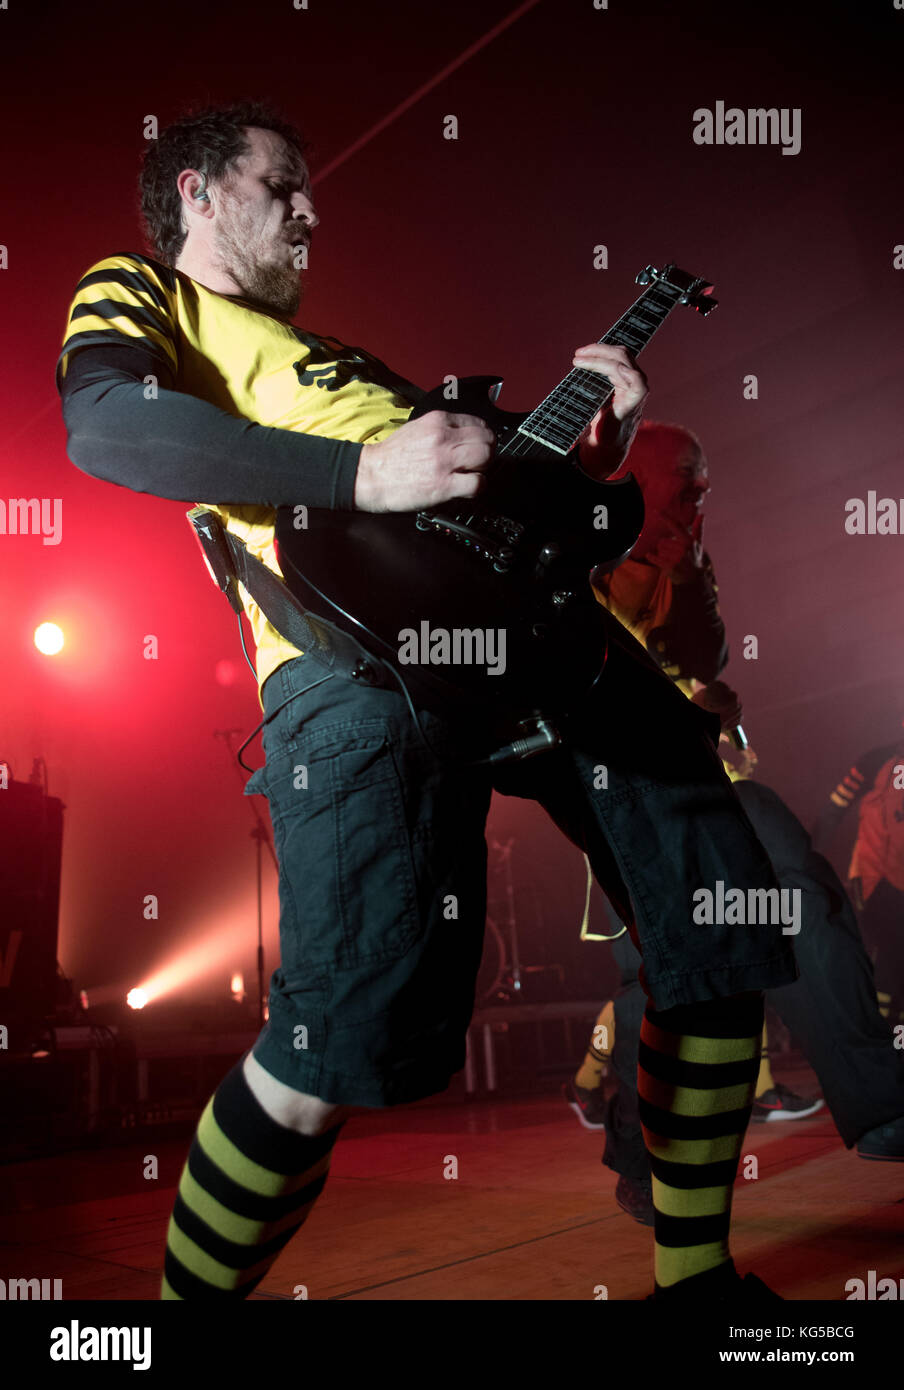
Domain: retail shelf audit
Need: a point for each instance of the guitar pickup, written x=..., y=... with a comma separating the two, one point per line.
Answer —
x=494, y=538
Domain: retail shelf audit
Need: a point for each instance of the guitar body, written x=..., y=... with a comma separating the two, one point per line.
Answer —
x=510, y=570
x=485, y=605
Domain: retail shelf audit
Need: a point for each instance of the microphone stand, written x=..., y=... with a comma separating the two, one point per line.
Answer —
x=261, y=836
x=504, y=853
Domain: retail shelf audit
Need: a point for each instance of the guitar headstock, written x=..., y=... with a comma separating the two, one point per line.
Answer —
x=689, y=288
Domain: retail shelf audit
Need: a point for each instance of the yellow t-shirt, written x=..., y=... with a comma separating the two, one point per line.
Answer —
x=640, y=597
x=248, y=364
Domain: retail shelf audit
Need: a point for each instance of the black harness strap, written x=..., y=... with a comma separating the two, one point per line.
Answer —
x=231, y=564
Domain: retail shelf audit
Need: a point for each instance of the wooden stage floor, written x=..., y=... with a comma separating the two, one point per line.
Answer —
x=531, y=1214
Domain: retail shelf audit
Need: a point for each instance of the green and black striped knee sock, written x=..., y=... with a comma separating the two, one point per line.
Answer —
x=696, y=1077
x=248, y=1185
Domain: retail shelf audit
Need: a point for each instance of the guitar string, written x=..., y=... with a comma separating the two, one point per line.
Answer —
x=650, y=310
x=555, y=405
x=550, y=410
x=615, y=334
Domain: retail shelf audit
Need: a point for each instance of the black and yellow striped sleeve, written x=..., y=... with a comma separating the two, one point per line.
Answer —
x=121, y=330
x=856, y=782
x=849, y=789
x=124, y=299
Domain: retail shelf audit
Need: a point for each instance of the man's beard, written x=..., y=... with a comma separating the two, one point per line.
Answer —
x=270, y=285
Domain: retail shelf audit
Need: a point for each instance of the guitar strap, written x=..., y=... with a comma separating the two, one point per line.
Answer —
x=231, y=563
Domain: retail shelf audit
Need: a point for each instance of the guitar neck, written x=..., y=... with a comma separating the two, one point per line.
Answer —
x=559, y=421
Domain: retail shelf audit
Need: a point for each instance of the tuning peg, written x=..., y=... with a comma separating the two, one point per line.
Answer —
x=646, y=276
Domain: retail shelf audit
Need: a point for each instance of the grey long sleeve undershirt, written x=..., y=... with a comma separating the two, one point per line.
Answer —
x=183, y=448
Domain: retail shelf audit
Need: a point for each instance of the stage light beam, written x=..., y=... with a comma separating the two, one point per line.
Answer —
x=207, y=953
x=49, y=638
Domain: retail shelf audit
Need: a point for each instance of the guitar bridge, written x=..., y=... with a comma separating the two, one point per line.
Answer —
x=494, y=538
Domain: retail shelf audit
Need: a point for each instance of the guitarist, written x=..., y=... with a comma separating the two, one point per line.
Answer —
x=182, y=375
x=667, y=596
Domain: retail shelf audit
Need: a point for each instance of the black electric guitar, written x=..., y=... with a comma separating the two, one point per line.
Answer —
x=485, y=603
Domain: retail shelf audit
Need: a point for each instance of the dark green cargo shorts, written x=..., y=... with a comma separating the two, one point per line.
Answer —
x=382, y=857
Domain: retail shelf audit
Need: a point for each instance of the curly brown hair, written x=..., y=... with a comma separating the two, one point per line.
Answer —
x=211, y=140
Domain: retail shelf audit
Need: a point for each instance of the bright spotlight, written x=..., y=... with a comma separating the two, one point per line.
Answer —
x=237, y=987
x=136, y=998
x=49, y=639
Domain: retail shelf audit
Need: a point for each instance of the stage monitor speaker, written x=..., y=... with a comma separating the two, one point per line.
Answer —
x=31, y=849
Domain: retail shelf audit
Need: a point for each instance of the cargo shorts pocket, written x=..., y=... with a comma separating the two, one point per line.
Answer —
x=348, y=889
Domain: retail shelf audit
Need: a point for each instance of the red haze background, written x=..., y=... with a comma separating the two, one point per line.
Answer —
x=466, y=256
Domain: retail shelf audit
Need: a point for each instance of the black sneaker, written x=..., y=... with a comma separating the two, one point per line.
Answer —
x=589, y=1106
x=885, y=1143
x=781, y=1104
x=720, y=1285
x=635, y=1196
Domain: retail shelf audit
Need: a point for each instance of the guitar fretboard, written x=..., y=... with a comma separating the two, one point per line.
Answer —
x=559, y=421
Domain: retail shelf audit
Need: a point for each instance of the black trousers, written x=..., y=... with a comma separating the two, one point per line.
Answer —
x=882, y=923
x=831, y=1008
